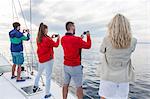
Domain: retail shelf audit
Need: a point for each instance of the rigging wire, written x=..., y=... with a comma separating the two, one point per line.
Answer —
x=32, y=53
x=30, y=67
x=14, y=11
x=13, y=6
x=22, y=13
x=31, y=45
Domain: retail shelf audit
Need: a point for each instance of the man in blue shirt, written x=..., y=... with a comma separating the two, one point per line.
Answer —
x=16, y=47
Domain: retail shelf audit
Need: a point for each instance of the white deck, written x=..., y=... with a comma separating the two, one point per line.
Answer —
x=10, y=89
x=3, y=61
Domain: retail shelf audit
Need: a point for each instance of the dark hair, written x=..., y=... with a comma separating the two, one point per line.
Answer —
x=68, y=25
x=16, y=24
x=41, y=32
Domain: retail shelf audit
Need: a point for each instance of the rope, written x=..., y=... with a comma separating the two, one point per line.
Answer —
x=31, y=36
x=22, y=14
x=30, y=41
x=13, y=11
x=30, y=16
x=33, y=53
x=14, y=8
x=1, y=74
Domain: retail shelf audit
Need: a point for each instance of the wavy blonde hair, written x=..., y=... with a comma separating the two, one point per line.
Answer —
x=119, y=32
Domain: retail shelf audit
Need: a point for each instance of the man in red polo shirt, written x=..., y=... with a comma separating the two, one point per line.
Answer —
x=72, y=46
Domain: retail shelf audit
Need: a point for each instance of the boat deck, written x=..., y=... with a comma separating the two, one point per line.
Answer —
x=10, y=89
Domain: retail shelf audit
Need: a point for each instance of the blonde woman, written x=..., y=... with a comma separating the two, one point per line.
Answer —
x=117, y=70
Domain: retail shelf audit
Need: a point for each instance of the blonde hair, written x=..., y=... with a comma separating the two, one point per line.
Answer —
x=119, y=32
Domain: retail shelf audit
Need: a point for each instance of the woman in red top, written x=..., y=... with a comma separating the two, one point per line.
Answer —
x=45, y=54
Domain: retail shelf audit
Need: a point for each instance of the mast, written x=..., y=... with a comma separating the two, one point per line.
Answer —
x=32, y=52
x=30, y=18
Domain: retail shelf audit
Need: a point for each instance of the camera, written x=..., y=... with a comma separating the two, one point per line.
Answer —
x=55, y=35
x=85, y=32
x=25, y=30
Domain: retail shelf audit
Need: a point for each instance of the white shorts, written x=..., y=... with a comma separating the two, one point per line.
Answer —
x=112, y=90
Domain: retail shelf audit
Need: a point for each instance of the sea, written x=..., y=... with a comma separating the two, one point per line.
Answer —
x=91, y=60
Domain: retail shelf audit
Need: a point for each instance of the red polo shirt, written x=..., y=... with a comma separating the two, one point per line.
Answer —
x=72, y=46
x=45, y=49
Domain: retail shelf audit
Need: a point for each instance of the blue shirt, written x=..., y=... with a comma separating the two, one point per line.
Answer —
x=16, y=38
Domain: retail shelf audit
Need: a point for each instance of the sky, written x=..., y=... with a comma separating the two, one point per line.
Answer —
x=92, y=15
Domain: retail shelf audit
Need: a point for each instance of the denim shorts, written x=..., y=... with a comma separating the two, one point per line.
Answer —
x=17, y=58
x=75, y=73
